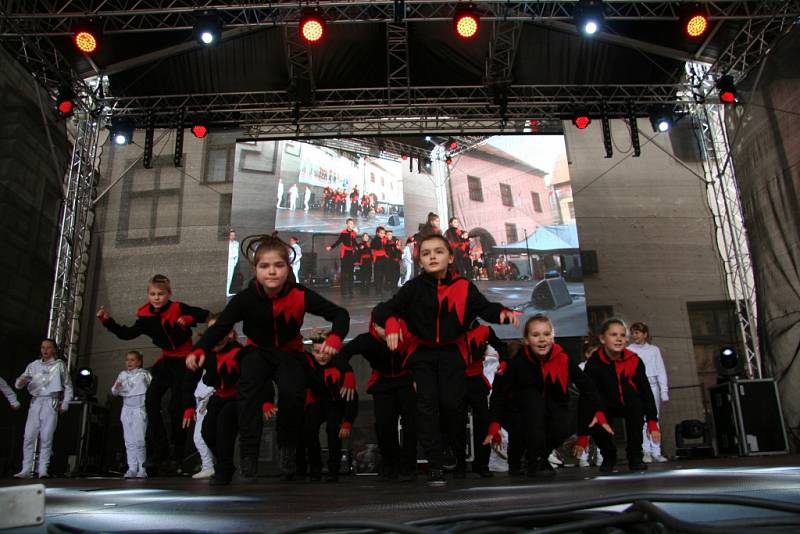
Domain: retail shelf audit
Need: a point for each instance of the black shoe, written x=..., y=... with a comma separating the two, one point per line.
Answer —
x=288, y=456
x=637, y=465
x=248, y=471
x=219, y=480
x=436, y=478
x=482, y=471
x=449, y=461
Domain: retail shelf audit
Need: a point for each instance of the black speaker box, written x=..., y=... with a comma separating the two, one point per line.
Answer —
x=589, y=262
x=551, y=293
x=747, y=418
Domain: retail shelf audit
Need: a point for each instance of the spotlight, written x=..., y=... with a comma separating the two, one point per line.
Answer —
x=581, y=120
x=727, y=89
x=65, y=102
x=428, y=138
x=453, y=144
x=404, y=157
x=207, y=28
x=466, y=22
x=121, y=131
x=694, y=21
x=449, y=160
x=661, y=119
x=589, y=16
x=85, y=383
x=86, y=36
x=312, y=26
x=199, y=130
x=729, y=364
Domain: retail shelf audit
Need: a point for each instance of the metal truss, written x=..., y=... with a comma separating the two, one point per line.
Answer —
x=72, y=257
x=731, y=234
x=301, y=77
x=502, y=52
x=398, y=82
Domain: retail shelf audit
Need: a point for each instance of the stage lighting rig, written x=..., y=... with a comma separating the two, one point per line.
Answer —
x=727, y=89
x=65, y=102
x=466, y=22
x=661, y=119
x=312, y=26
x=86, y=36
x=589, y=16
x=208, y=28
x=199, y=129
x=122, y=131
x=694, y=21
x=581, y=119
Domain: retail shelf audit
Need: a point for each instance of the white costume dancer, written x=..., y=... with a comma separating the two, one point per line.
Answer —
x=9, y=394
x=298, y=255
x=132, y=386
x=657, y=376
x=46, y=381
x=202, y=394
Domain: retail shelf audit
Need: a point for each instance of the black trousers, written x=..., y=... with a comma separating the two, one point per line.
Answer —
x=220, y=428
x=347, y=264
x=478, y=400
x=168, y=374
x=287, y=370
x=633, y=413
x=332, y=414
x=391, y=406
x=545, y=424
x=365, y=276
x=381, y=274
x=512, y=422
x=441, y=389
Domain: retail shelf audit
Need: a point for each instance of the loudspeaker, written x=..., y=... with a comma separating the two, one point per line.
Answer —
x=551, y=293
x=589, y=262
x=748, y=419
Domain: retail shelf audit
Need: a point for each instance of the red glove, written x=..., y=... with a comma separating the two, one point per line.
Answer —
x=349, y=380
x=187, y=320
x=392, y=326
x=104, y=320
x=582, y=441
x=502, y=368
x=267, y=407
x=332, y=375
x=347, y=425
x=652, y=426
x=494, y=431
x=334, y=341
x=601, y=418
x=188, y=413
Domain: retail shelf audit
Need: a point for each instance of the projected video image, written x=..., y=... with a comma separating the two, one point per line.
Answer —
x=504, y=203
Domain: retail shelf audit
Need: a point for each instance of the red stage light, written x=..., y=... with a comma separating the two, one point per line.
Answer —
x=86, y=41
x=581, y=122
x=727, y=89
x=65, y=107
x=466, y=22
x=404, y=157
x=449, y=160
x=696, y=25
x=453, y=145
x=199, y=131
x=312, y=27
x=727, y=97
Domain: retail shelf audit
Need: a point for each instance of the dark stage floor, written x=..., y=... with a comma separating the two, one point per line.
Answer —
x=182, y=504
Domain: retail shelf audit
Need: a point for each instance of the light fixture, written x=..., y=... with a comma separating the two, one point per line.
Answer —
x=312, y=26
x=122, y=131
x=207, y=28
x=589, y=16
x=466, y=22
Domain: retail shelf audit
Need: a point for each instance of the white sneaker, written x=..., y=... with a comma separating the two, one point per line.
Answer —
x=583, y=462
x=130, y=473
x=554, y=460
x=204, y=473
x=23, y=474
x=660, y=459
x=141, y=474
x=647, y=458
x=598, y=458
x=44, y=475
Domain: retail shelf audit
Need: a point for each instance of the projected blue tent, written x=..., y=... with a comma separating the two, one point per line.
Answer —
x=553, y=239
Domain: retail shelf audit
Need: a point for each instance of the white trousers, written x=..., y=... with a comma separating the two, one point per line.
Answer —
x=206, y=457
x=648, y=447
x=134, y=424
x=41, y=423
x=296, y=269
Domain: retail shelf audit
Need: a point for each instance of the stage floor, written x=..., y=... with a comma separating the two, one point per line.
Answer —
x=186, y=505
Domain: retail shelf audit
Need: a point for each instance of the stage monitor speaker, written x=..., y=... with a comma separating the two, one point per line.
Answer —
x=551, y=293
x=748, y=419
x=589, y=262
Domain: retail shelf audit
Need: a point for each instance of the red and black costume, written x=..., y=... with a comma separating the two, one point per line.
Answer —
x=364, y=262
x=169, y=371
x=438, y=313
x=347, y=242
x=538, y=388
x=473, y=348
x=624, y=392
x=395, y=256
x=274, y=351
x=392, y=389
x=324, y=404
x=354, y=203
x=381, y=263
x=460, y=244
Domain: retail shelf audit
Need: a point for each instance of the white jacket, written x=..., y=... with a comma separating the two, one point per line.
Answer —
x=47, y=379
x=653, y=366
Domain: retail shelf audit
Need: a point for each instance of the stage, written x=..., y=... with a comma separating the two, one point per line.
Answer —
x=186, y=505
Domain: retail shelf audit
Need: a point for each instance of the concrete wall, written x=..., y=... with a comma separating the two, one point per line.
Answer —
x=647, y=219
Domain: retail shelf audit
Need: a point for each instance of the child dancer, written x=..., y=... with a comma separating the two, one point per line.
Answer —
x=621, y=380
x=272, y=309
x=347, y=242
x=438, y=306
x=331, y=399
x=394, y=398
x=657, y=376
x=131, y=384
x=380, y=260
x=169, y=325
x=47, y=381
x=459, y=241
x=537, y=378
x=589, y=349
x=202, y=394
x=364, y=262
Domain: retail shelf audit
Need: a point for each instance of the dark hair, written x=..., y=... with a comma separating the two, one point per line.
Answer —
x=159, y=280
x=378, y=229
x=136, y=353
x=317, y=338
x=51, y=340
x=431, y=217
x=452, y=219
x=608, y=322
x=639, y=326
x=440, y=237
x=538, y=318
x=253, y=246
x=350, y=219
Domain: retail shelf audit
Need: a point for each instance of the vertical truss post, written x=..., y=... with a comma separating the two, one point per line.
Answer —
x=725, y=203
x=398, y=81
x=499, y=67
x=72, y=256
x=301, y=77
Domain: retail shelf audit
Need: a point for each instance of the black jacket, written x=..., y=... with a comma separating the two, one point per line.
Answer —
x=618, y=381
x=324, y=383
x=161, y=326
x=387, y=366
